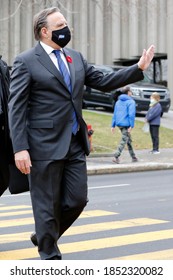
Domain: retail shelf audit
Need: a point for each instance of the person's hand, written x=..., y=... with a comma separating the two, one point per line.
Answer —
x=23, y=161
x=113, y=129
x=146, y=58
x=129, y=129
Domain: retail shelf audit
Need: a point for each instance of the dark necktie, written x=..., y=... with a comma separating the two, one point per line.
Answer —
x=64, y=72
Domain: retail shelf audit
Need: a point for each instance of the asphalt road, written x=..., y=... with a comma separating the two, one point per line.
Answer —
x=129, y=216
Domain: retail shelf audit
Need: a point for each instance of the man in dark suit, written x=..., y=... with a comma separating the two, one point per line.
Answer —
x=48, y=132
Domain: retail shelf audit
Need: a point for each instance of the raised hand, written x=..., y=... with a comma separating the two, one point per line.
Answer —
x=146, y=58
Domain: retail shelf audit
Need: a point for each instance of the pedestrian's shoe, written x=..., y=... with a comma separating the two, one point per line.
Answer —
x=134, y=159
x=155, y=152
x=33, y=238
x=116, y=160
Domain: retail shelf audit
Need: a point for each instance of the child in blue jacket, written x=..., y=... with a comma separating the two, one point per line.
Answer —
x=124, y=119
x=153, y=117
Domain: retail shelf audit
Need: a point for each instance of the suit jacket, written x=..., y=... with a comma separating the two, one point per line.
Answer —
x=40, y=105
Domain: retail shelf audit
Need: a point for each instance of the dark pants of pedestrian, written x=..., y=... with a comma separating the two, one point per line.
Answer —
x=125, y=139
x=154, y=132
x=59, y=195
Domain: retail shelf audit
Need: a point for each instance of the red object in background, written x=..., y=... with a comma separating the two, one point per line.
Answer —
x=90, y=133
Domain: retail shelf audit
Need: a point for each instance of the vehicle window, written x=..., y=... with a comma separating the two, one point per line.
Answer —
x=146, y=79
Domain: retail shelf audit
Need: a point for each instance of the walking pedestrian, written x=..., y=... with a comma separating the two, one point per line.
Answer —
x=49, y=135
x=124, y=119
x=153, y=117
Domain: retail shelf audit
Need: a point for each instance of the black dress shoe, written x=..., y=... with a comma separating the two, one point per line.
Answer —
x=33, y=238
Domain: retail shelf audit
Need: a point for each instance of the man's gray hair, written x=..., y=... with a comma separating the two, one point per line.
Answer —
x=40, y=20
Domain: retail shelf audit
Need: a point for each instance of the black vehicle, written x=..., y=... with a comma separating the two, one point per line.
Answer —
x=141, y=92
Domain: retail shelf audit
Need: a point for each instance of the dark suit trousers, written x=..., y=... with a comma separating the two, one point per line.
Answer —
x=58, y=194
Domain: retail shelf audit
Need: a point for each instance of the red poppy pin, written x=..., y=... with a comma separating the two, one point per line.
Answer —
x=69, y=59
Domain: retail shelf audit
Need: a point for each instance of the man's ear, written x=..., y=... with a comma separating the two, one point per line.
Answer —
x=44, y=32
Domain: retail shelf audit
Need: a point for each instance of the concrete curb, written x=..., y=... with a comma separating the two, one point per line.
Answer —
x=120, y=168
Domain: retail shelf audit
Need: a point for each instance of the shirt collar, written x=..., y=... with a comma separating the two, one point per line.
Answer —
x=47, y=48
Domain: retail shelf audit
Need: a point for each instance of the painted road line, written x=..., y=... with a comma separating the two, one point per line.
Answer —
x=157, y=255
x=106, y=226
x=14, y=207
x=16, y=222
x=16, y=213
x=89, y=228
x=116, y=241
x=30, y=221
x=108, y=186
x=96, y=213
x=95, y=244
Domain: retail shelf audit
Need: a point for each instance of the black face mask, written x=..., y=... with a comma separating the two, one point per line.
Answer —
x=61, y=37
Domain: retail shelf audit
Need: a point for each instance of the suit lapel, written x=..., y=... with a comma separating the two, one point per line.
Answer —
x=45, y=60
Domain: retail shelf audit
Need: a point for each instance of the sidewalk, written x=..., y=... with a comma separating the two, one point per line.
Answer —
x=102, y=163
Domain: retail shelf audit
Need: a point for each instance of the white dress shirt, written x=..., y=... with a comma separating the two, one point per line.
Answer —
x=49, y=51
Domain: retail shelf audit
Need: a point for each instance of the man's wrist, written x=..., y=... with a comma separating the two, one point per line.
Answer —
x=140, y=66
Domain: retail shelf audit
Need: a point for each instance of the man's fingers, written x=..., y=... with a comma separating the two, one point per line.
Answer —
x=23, y=162
x=144, y=52
x=150, y=51
x=23, y=166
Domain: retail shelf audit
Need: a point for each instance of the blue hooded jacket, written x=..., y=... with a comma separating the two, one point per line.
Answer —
x=124, y=112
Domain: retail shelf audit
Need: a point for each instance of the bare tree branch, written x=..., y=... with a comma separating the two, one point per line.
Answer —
x=13, y=14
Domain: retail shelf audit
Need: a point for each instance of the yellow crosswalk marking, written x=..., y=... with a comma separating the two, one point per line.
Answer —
x=27, y=221
x=16, y=213
x=16, y=222
x=14, y=237
x=5, y=208
x=85, y=245
x=21, y=254
x=95, y=244
x=96, y=213
x=112, y=225
x=158, y=255
x=89, y=228
x=116, y=241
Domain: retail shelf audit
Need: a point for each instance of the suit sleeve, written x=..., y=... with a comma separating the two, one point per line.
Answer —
x=107, y=82
x=18, y=102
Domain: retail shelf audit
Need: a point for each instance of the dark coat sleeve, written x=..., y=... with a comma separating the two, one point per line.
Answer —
x=107, y=82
